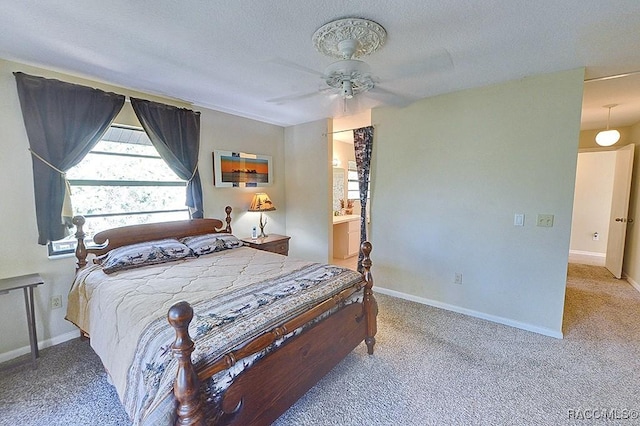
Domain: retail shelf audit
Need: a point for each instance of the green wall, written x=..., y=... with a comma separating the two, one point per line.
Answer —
x=449, y=174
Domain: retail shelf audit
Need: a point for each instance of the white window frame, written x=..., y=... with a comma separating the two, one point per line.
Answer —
x=68, y=244
x=352, y=178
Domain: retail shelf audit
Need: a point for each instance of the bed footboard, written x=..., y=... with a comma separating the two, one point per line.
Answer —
x=187, y=386
x=261, y=394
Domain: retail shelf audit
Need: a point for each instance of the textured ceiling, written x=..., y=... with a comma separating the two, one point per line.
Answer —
x=236, y=56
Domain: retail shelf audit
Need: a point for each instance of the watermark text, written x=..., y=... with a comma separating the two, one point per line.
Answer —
x=606, y=414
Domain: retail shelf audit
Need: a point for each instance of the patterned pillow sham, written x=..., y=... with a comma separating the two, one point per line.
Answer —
x=143, y=254
x=230, y=241
x=209, y=243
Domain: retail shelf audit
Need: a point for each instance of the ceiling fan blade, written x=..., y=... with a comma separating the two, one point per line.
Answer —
x=289, y=98
x=285, y=99
x=293, y=65
x=388, y=98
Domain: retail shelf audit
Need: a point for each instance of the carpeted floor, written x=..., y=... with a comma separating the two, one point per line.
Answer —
x=431, y=367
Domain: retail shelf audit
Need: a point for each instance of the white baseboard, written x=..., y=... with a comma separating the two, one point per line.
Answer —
x=493, y=318
x=587, y=257
x=6, y=356
x=631, y=281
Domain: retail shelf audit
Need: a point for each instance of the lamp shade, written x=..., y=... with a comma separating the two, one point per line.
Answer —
x=261, y=203
x=607, y=137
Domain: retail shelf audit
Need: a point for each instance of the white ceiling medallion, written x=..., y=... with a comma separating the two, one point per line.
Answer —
x=369, y=35
x=346, y=40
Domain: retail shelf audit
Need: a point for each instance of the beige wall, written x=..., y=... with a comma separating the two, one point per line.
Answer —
x=344, y=152
x=308, y=166
x=592, y=203
x=229, y=132
x=450, y=172
x=19, y=251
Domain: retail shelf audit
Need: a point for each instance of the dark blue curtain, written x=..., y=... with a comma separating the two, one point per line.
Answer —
x=63, y=122
x=175, y=132
x=363, y=145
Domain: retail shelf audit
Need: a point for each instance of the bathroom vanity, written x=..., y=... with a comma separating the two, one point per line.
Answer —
x=346, y=236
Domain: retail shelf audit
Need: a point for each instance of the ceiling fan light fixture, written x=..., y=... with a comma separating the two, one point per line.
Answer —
x=350, y=84
x=608, y=137
x=347, y=89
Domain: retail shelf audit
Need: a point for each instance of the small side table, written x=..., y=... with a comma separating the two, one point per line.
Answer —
x=26, y=283
x=274, y=243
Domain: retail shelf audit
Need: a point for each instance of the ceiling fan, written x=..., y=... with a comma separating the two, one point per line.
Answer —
x=347, y=40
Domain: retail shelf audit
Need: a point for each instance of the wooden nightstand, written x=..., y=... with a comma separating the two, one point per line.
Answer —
x=274, y=243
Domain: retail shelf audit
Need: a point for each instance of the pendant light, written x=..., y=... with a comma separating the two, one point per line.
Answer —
x=608, y=137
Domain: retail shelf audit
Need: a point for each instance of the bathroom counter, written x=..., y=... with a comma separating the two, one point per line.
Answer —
x=345, y=218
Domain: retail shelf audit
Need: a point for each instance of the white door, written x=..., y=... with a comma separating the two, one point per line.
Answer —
x=619, y=209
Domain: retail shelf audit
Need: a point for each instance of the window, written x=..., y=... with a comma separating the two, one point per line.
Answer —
x=353, y=186
x=122, y=181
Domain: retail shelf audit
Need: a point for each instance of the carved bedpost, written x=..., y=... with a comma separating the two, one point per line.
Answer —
x=81, y=249
x=186, y=387
x=228, y=218
x=369, y=302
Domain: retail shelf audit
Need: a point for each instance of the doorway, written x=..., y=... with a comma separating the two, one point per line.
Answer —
x=600, y=209
x=345, y=238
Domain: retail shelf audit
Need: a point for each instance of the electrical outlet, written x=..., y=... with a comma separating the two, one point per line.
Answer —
x=56, y=302
x=596, y=236
x=457, y=278
x=545, y=220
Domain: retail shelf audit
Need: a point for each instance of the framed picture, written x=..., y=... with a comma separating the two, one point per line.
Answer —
x=239, y=169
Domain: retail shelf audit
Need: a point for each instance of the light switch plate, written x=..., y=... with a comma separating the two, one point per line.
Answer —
x=518, y=219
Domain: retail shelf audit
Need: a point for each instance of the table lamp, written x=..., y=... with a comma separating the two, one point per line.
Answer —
x=261, y=203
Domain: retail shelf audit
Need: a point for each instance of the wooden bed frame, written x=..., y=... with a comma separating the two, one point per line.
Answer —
x=264, y=391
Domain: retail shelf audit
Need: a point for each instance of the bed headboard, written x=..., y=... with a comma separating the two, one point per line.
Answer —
x=118, y=237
